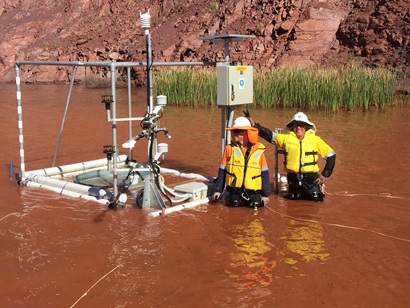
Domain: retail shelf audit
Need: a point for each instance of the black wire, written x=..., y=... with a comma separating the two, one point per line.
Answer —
x=156, y=170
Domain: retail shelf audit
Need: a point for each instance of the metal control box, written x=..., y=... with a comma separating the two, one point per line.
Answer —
x=235, y=85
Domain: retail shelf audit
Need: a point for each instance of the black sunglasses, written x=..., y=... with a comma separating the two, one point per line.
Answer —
x=301, y=124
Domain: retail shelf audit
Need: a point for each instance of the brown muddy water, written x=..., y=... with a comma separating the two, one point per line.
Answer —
x=352, y=250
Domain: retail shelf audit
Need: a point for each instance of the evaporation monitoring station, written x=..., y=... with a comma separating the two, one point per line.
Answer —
x=81, y=180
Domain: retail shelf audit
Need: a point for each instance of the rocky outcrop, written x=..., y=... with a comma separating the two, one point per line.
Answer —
x=291, y=32
x=378, y=33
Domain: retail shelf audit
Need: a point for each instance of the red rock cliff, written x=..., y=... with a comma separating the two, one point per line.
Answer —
x=291, y=32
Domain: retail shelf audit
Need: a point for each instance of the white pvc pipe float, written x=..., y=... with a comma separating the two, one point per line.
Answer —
x=179, y=207
x=69, y=186
x=61, y=170
x=185, y=174
x=67, y=193
x=172, y=191
x=74, y=173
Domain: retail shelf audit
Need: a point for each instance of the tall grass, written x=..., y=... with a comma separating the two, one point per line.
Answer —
x=186, y=86
x=349, y=88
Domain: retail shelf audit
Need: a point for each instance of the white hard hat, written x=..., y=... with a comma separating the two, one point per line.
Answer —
x=241, y=123
x=301, y=117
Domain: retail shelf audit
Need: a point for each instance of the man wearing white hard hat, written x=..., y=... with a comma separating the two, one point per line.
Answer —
x=243, y=170
x=302, y=148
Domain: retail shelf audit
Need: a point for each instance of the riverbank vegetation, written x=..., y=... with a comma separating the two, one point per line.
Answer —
x=349, y=88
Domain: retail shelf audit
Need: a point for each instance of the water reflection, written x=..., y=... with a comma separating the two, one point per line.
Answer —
x=303, y=236
x=254, y=258
x=305, y=239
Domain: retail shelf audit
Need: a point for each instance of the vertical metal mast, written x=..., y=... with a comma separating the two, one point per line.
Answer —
x=146, y=25
x=227, y=112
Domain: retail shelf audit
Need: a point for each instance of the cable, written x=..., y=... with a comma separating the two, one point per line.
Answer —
x=338, y=225
x=384, y=195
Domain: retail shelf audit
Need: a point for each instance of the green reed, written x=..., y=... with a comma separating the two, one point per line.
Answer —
x=349, y=88
x=186, y=86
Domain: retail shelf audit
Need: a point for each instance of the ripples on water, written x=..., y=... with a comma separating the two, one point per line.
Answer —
x=353, y=249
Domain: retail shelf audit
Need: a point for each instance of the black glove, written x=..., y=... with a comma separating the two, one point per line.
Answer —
x=246, y=113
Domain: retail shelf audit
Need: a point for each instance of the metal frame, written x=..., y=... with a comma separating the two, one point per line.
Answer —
x=226, y=114
x=75, y=64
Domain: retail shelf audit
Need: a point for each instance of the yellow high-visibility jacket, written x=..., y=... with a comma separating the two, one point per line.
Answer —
x=302, y=155
x=235, y=175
